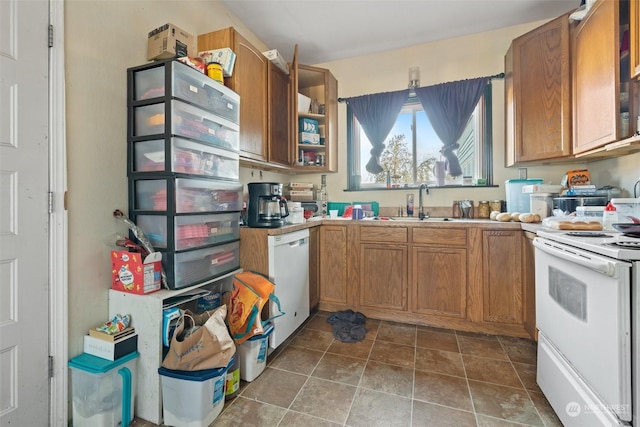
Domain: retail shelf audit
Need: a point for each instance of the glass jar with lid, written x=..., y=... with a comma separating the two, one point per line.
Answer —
x=484, y=209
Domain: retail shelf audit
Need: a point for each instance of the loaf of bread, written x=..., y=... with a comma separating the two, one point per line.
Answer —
x=579, y=225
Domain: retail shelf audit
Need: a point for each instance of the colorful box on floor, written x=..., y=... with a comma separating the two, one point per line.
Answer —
x=192, y=398
x=103, y=392
x=130, y=273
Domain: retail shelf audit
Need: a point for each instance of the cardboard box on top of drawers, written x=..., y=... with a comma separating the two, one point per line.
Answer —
x=169, y=41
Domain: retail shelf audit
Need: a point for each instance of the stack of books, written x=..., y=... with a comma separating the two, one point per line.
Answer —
x=111, y=346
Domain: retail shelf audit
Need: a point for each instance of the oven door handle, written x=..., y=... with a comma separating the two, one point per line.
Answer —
x=601, y=266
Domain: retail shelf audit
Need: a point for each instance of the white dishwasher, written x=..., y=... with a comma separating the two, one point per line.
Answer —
x=289, y=270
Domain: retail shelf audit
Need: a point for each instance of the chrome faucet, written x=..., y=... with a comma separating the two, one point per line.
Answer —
x=421, y=214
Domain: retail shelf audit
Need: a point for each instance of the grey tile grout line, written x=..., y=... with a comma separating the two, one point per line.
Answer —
x=466, y=379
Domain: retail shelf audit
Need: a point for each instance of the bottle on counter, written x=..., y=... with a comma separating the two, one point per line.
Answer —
x=609, y=216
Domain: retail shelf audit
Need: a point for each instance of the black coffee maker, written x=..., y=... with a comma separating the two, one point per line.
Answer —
x=267, y=207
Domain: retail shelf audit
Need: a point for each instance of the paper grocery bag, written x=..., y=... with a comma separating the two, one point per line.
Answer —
x=207, y=347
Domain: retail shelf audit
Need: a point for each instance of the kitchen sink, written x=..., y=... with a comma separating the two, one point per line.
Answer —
x=416, y=219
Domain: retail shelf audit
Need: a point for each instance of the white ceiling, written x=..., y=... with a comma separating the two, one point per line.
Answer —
x=327, y=30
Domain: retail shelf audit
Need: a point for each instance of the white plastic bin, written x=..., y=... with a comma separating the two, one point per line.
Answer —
x=253, y=355
x=192, y=398
x=103, y=391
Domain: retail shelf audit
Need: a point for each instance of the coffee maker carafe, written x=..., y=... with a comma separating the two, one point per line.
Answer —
x=267, y=207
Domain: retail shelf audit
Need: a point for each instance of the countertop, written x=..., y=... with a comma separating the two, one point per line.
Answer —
x=400, y=222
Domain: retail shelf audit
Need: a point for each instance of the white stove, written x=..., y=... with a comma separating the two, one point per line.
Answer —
x=588, y=317
x=608, y=243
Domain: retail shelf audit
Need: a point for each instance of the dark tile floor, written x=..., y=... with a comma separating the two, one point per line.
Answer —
x=400, y=375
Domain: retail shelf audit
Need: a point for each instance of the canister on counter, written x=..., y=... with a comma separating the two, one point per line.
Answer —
x=484, y=210
x=455, y=209
x=496, y=205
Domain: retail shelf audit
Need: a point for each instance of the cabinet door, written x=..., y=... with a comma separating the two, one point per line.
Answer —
x=634, y=31
x=383, y=276
x=502, y=276
x=596, y=46
x=540, y=107
x=314, y=267
x=280, y=113
x=249, y=80
x=333, y=264
x=439, y=281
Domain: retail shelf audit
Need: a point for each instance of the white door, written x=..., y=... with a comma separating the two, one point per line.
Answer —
x=24, y=218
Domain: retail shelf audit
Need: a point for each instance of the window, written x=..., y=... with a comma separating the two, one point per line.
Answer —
x=412, y=149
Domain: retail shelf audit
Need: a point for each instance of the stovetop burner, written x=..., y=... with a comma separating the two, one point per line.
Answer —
x=626, y=244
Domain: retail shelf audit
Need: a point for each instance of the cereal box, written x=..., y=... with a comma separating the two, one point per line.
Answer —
x=130, y=273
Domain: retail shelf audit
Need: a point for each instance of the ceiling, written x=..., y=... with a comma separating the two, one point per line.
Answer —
x=328, y=30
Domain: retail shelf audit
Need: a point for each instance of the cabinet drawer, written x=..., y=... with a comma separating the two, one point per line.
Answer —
x=187, y=121
x=185, y=195
x=440, y=236
x=184, y=156
x=190, y=231
x=193, y=267
x=189, y=85
x=383, y=234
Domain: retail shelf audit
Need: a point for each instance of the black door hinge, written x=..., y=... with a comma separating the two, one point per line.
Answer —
x=50, y=35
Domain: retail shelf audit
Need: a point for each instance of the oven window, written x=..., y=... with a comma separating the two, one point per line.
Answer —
x=569, y=293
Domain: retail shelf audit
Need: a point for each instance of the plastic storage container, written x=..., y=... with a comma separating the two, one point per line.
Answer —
x=186, y=121
x=627, y=207
x=253, y=355
x=187, y=84
x=196, y=266
x=103, y=391
x=185, y=156
x=541, y=204
x=185, y=195
x=296, y=213
x=590, y=211
x=189, y=231
x=232, y=388
x=517, y=201
x=192, y=398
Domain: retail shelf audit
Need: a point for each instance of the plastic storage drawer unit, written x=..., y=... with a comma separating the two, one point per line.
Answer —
x=186, y=84
x=200, y=265
x=189, y=231
x=192, y=398
x=185, y=195
x=103, y=391
x=185, y=156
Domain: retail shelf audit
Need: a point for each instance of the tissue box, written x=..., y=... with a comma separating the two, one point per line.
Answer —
x=225, y=57
x=130, y=273
x=169, y=41
x=308, y=125
x=111, y=350
x=277, y=60
x=309, y=138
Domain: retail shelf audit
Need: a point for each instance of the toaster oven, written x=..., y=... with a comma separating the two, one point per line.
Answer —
x=319, y=208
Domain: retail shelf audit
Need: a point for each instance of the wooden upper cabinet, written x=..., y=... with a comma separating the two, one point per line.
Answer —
x=634, y=42
x=249, y=80
x=596, y=77
x=279, y=114
x=538, y=94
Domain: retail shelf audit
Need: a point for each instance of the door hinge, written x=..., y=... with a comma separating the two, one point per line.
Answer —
x=50, y=35
x=50, y=202
x=50, y=367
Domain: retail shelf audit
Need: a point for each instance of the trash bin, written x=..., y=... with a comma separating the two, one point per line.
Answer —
x=103, y=391
x=253, y=354
x=192, y=398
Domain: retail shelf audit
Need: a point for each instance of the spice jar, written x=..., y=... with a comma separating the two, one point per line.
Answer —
x=456, y=212
x=484, y=210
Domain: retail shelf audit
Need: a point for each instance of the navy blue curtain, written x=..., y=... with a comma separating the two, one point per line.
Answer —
x=449, y=107
x=377, y=114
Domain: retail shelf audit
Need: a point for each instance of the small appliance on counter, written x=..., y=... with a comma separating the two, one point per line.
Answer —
x=266, y=208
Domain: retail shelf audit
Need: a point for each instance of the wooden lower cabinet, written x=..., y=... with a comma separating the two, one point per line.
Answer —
x=384, y=276
x=439, y=281
x=502, y=276
x=529, y=284
x=333, y=264
x=466, y=278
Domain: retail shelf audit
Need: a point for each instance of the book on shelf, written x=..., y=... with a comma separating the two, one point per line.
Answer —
x=94, y=332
